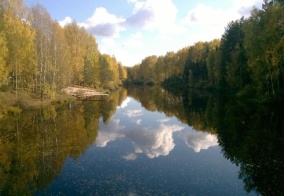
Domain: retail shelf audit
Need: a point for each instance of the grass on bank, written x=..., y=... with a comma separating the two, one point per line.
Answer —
x=12, y=103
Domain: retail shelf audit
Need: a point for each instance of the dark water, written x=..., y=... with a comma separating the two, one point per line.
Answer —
x=145, y=141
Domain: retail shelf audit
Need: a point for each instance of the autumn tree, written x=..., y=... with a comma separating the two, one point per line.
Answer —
x=20, y=43
x=3, y=55
x=122, y=73
x=91, y=61
x=76, y=40
x=146, y=69
x=60, y=57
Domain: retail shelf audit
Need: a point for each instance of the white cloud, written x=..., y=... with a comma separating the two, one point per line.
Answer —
x=133, y=113
x=200, y=140
x=151, y=142
x=141, y=17
x=158, y=14
x=124, y=103
x=207, y=23
x=204, y=15
x=154, y=143
x=130, y=157
x=103, y=23
x=132, y=1
x=134, y=41
x=163, y=120
x=67, y=20
x=108, y=133
x=138, y=122
x=127, y=51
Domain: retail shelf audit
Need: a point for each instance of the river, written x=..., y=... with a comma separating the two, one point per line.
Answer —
x=144, y=141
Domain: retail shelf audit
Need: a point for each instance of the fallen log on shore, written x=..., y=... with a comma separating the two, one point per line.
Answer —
x=85, y=93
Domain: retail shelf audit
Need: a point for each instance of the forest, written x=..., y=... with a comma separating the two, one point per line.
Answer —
x=39, y=56
x=248, y=59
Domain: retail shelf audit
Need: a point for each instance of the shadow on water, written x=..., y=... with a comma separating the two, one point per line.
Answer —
x=35, y=145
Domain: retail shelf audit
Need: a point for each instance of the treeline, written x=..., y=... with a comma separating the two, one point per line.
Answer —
x=40, y=56
x=249, y=58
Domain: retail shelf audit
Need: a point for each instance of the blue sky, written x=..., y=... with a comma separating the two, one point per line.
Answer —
x=133, y=29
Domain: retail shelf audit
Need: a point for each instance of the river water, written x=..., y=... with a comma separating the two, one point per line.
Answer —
x=144, y=141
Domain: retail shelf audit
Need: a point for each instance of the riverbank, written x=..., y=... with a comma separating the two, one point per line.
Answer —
x=83, y=92
x=10, y=103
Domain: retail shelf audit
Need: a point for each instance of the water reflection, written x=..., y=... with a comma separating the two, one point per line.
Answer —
x=151, y=136
x=145, y=141
x=35, y=144
x=200, y=140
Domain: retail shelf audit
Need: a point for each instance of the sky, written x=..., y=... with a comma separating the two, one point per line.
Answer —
x=134, y=29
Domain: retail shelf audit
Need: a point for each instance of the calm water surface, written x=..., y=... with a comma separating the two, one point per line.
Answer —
x=140, y=142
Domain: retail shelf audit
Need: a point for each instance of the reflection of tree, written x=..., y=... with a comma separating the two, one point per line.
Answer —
x=35, y=144
x=109, y=107
x=189, y=107
x=252, y=137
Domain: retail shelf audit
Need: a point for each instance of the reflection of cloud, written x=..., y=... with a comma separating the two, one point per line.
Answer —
x=154, y=143
x=125, y=102
x=200, y=140
x=130, y=157
x=138, y=122
x=133, y=113
x=151, y=142
x=163, y=120
x=109, y=133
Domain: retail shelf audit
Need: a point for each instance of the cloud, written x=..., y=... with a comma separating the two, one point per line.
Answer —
x=67, y=20
x=103, y=23
x=104, y=29
x=130, y=157
x=163, y=120
x=200, y=140
x=138, y=122
x=151, y=142
x=126, y=50
x=133, y=113
x=207, y=18
x=134, y=41
x=147, y=17
x=157, y=14
x=204, y=15
x=108, y=133
x=154, y=143
x=124, y=103
x=140, y=18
